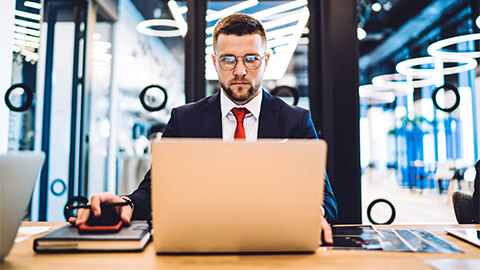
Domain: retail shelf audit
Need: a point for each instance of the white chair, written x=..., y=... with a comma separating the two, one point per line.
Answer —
x=444, y=171
x=469, y=179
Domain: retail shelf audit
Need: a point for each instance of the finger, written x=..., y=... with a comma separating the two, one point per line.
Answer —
x=126, y=213
x=72, y=220
x=82, y=216
x=95, y=205
x=327, y=231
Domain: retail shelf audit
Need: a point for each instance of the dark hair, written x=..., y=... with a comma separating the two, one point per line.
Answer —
x=238, y=24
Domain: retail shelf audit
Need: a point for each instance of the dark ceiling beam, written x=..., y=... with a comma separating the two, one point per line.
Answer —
x=195, y=51
x=410, y=30
x=475, y=5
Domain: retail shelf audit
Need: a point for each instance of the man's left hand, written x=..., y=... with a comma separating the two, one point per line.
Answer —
x=326, y=231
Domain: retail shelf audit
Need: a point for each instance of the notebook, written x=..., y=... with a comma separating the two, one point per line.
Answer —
x=69, y=239
x=18, y=174
x=210, y=196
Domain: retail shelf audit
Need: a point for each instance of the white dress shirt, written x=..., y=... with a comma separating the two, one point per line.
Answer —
x=229, y=122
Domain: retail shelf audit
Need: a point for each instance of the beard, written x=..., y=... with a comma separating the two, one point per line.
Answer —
x=242, y=94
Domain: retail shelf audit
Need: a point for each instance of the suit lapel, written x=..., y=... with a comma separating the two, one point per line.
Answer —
x=268, y=122
x=212, y=117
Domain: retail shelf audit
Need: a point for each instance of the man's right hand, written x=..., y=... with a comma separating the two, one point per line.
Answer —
x=124, y=211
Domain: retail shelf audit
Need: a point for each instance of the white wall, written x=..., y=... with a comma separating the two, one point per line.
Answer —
x=6, y=33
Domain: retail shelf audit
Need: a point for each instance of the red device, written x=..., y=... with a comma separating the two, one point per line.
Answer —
x=108, y=221
x=100, y=228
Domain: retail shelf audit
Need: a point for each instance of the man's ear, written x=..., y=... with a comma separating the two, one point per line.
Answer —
x=267, y=58
x=214, y=61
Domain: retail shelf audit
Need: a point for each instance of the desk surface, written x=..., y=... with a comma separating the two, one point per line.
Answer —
x=22, y=257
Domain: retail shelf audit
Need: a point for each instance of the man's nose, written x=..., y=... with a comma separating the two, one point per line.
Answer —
x=240, y=70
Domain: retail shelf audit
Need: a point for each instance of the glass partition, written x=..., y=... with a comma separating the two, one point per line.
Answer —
x=146, y=51
x=419, y=108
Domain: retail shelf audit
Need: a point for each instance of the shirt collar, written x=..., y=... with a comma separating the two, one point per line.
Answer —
x=253, y=105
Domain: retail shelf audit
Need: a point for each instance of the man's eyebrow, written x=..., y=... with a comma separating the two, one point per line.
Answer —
x=231, y=54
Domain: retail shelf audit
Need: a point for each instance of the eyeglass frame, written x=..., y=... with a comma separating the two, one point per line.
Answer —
x=243, y=60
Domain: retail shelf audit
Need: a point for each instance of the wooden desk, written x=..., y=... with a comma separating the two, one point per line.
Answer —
x=23, y=257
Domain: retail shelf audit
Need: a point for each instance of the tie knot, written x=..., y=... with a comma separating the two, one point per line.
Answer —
x=240, y=113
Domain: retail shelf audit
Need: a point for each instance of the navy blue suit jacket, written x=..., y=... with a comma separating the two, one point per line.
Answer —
x=476, y=195
x=202, y=119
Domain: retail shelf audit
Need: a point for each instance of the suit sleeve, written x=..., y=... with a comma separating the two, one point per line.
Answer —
x=171, y=130
x=142, y=196
x=476, y=195
x=329, y=200
x=308, y=129
x=142, y=199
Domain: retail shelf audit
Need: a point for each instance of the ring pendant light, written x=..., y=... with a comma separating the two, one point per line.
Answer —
x=435, y=49
x=145, y=27
x=399, y=81
x=407, y=67
x=371, y=94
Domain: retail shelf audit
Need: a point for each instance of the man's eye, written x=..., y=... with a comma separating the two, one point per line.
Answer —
x=229, y=59
x=250, y=58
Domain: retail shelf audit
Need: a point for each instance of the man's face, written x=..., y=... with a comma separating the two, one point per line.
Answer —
x=240, y=84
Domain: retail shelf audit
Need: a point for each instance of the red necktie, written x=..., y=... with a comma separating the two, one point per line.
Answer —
x=239, y=114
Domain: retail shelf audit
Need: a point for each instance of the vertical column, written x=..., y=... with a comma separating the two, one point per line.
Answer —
x=195, y=50
x=334, y=102
x=51, y=17
x=6, y=31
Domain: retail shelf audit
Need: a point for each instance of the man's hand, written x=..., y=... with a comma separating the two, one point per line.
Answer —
x=124, y=211
x=326, y=231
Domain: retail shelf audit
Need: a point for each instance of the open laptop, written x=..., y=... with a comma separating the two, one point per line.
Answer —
x=470, y=235
x=210, y=196
x=18, y=174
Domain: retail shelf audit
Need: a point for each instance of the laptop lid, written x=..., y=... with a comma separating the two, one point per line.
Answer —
x=470, y=235
x=18, y=175
x=214, y=196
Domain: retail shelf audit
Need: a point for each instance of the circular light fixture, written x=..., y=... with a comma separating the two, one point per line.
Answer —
x=406, y=67
x=401, y=84
x=371, y=94
x=12, y=92
x=144, y=27
x=372, y=204
x=446, y=87
x=435, y=49
x=477, y=21
x=286, y=91
x=153, y=98
x=376, y=7
x=361, y=33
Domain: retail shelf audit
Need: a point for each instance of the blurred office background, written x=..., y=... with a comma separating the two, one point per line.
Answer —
x=91, y=82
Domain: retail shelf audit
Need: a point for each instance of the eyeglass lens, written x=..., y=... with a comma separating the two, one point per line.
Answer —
x=251, y=61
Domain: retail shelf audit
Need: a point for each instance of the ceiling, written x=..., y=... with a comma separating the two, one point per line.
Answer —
x=379, y=25
x=389, y=29
x=401, y=37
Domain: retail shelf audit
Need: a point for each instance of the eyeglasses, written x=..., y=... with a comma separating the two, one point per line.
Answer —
x=229, y=62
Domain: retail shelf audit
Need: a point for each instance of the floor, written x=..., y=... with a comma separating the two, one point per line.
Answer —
x=411, y=206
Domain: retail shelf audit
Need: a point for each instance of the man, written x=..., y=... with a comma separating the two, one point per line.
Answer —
x=240, y=59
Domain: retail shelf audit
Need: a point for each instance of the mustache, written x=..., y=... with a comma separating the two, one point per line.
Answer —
x=239, y=81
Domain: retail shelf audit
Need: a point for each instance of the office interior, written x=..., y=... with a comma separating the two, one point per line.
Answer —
x=391, y=84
